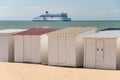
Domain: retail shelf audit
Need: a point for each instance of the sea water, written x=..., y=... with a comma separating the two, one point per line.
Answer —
x=100, y=24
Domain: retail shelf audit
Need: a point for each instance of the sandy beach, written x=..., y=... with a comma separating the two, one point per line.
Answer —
x=23, y=71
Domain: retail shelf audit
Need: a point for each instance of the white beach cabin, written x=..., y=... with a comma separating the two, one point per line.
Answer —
x=102, y=50
x=7, y=45
x=65, y=46
x=32, y=45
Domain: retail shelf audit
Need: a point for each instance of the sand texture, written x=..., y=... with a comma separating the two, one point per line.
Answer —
x=23, y=71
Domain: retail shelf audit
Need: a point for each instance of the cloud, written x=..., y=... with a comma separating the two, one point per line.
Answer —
x=27, y=13
x=96, y=14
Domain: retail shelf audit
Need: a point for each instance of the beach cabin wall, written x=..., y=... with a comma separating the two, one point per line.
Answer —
x=7, y=44
x=102, y=50
x=32, y=45
x=26, y=44
x=6, y=52
x=65, y=46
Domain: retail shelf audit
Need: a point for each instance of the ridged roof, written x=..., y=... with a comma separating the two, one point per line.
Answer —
x=105, y=34
x=70, y=31
x=36, y=31
x=11, y=31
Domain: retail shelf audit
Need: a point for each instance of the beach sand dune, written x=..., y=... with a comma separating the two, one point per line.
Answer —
x=23, y=71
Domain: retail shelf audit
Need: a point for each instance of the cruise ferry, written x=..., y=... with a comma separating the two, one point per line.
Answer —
x=52, y=17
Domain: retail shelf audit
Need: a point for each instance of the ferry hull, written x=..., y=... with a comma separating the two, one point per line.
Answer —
x=50, y=20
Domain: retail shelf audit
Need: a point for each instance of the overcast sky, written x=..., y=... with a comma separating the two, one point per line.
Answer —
x=77, y=9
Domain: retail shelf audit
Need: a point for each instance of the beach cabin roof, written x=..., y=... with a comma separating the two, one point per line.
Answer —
x=70, y=31
x=105, y=34
x=36, y=31
x=106, y=29
x=10, y=31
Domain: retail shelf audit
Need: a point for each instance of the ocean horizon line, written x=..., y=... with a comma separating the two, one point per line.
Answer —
x=64, y=21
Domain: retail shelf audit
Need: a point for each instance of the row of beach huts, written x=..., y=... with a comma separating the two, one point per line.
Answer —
x=71, y=46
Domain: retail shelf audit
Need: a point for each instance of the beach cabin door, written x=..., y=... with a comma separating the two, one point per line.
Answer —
x=61, y=51
x=99, y=54
x=27, y=49
x=90, y=52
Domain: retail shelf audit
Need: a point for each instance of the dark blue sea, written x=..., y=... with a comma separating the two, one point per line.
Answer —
x=100, y=24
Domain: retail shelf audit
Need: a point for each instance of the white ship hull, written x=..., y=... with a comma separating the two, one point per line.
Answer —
x=51, y=19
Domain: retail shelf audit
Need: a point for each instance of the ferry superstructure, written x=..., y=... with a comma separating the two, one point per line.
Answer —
x=52, y=17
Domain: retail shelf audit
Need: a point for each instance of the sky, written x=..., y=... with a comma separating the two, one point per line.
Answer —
x=76, y=9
